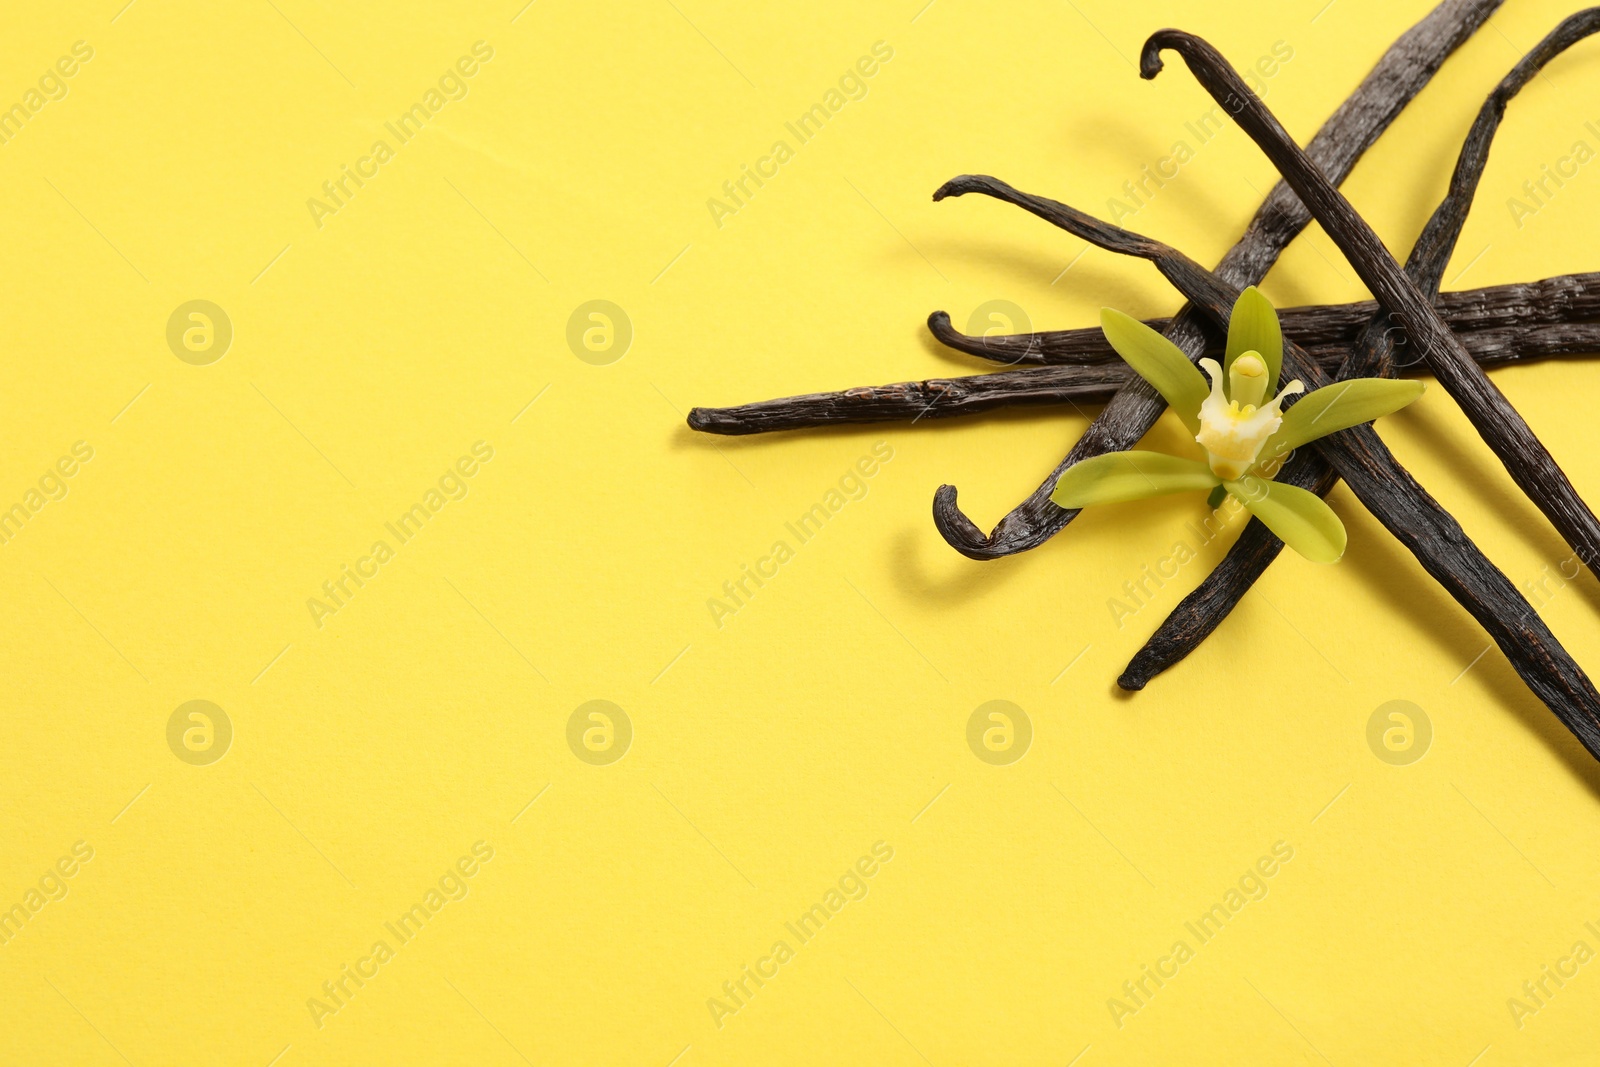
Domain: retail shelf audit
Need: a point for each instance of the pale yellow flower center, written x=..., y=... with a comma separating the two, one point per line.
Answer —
x=1234, y=423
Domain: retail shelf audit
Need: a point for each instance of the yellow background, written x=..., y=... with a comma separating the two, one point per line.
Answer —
x=830, y=712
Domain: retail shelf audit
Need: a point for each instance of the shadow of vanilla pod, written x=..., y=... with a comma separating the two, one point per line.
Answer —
x=1239, y=423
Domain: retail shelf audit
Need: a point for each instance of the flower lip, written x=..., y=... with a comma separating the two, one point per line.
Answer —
x=1231, y=432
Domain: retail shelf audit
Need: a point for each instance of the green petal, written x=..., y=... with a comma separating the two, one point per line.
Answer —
x=1118, y=476
x=1159, y=362
x=1337, y=407
x=1253, y=327
x=1299, y=518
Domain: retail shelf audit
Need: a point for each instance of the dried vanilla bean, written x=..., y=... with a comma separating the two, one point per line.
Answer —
x=1399, y=75
x=1204, y=609
x=1378, y=480
x=1496, y=324
x=1499, y=423
x=934, y=398
x=1561, y=299
x=1089, y=383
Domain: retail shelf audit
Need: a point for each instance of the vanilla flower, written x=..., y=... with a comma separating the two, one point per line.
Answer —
x=1239, y=422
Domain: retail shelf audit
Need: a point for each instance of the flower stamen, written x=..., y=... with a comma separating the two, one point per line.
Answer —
x=1247, y=380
